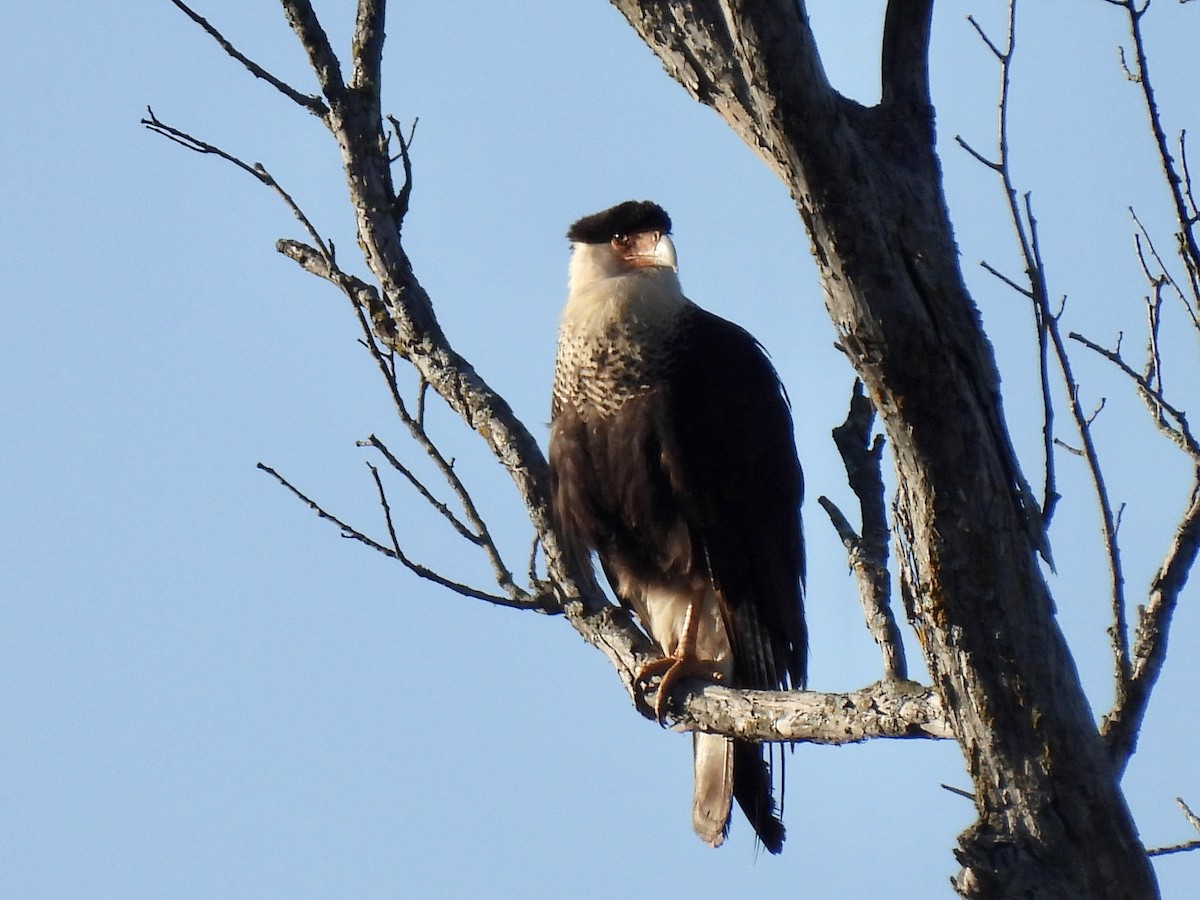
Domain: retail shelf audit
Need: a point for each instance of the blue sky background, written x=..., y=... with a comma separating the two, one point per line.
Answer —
x=204, y=691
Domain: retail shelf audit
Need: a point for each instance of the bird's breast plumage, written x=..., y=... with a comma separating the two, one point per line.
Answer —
x=615, y=341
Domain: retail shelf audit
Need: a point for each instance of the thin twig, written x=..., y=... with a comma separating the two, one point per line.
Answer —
x=308, y=101
x=445, y=511
x=400, y=207
x=1164, y=273
x=347, y=530
x=1042, y=318
x=959, y=791
x=1178, y=183
x=1049, y=335
x=1174, y=848
x=1120, y=726
x=422, y=391
x=1026, y=229
x=533, y=555
x=1193, y=844
x=257, y=170
x=1118, y=631
x=482, y=535
x=427, y=573
x=979, y=157
x=1180, y=433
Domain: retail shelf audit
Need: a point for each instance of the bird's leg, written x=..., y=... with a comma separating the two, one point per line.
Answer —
x=681, y=664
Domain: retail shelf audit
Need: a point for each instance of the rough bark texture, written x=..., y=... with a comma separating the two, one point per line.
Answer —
x=1052, y=820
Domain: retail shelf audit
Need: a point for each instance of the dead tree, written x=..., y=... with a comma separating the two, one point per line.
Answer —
x=1052, y=821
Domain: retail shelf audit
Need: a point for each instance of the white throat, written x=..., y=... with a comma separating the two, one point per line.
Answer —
x=602, y=289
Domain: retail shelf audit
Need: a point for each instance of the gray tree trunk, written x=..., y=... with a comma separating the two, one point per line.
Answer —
x=1052, y=822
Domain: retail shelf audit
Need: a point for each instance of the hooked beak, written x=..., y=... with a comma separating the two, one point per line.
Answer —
x=647, y=248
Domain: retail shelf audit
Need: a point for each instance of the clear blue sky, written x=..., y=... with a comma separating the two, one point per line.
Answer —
x=204, y=691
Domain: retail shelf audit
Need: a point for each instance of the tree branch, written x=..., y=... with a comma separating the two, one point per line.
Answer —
x=1026, y=229
x=1119, y=630
x=324, y=61
x=442, y=509
x=905, y=56
x=886, y=709
x=1193, y=820
x=1121, y=725
x=1178, y=183
x=368, y=46
x=1180, y=433
x=307, y=101
x=257, y=170
x=868, y=552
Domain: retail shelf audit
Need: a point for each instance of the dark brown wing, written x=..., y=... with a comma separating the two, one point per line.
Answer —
x=737, y=474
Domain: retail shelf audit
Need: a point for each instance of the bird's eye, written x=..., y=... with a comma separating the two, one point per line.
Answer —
x=620, y=240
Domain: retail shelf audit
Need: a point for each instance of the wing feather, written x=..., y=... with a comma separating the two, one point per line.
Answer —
x=734, y=469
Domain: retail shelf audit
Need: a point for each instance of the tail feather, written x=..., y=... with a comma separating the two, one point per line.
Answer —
x=752, y=790
x=714, y=786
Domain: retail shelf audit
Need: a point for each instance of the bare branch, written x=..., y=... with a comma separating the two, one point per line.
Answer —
x=196, y=145
x=308, y=101
x=1002, y=55
x=1180, y=433
x=1045, y=320
x=1025, y=226
x=1178, y=181
x=405, y=144
x=257, y=170
x=1174, y=848
x=959, y=791
x=422, y=392
x=886, y=709
x=445, y=511
x=368, y=46
x=1194, y=211
x=905, y=54
x=533, y=555
x=979, y=157
x=996, y=273
x=868, y=552
x=347, y=530
x=1142, y=242
x=1118, y=632
x=521, y=600
x=1120, y=727
x=1193, y=820
x=321, y=57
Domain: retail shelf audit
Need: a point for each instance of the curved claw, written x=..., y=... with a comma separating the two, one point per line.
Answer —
x=671, y=669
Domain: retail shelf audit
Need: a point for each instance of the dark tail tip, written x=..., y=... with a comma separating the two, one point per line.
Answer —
x=753, y=791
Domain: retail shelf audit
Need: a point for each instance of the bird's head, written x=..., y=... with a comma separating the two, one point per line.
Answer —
x=626, y=237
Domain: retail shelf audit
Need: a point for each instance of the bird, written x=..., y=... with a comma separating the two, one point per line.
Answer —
x=672, y=458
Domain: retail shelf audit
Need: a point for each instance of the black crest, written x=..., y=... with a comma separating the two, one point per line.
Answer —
x=630, y=217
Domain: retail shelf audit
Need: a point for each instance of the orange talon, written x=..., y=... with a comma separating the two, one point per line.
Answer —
x=671, y=669
x=681, y=664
